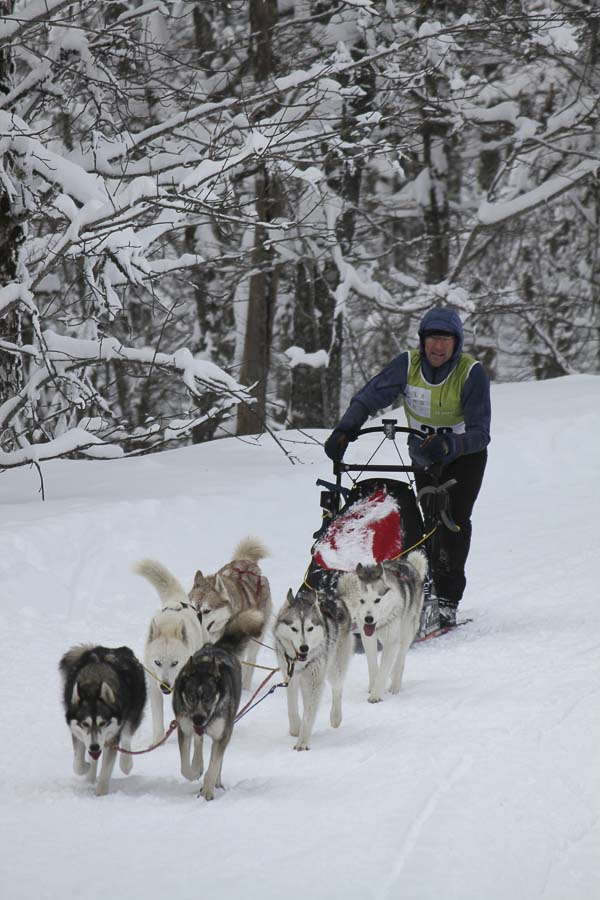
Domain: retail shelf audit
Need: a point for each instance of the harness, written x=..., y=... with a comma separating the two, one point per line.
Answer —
x=181, y=606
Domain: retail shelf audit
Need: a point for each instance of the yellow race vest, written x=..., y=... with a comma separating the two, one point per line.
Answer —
x=436, y=408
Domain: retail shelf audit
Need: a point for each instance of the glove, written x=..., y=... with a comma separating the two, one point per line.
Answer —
x=336, y=443
x=436, y=447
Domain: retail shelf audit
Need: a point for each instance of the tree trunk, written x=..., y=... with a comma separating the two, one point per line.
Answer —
x=262, y=294
x=313, y=391
x=436, y=212
x=261, y=307
x=12, y=235
x=263, y=16
x=315, y=394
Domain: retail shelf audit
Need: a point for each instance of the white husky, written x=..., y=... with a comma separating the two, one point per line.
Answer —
x=313, y=640
x=385, y=601
x=174, y=634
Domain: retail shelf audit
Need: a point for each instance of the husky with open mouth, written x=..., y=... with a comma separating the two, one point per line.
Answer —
x=313, y=641
x=206, y=697
x=104, y=694
x=385, y=601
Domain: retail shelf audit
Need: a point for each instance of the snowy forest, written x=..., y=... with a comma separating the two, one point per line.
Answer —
x=219, y=217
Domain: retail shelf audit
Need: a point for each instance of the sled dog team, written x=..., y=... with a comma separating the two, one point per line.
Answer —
x=195, y=646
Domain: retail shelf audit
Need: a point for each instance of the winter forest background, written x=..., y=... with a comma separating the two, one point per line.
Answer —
x=222, y=217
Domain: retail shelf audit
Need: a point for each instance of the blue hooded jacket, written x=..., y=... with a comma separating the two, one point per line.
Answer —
x=389, y=385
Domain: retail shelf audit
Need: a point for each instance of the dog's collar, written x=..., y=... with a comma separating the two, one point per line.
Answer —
x=290, y=663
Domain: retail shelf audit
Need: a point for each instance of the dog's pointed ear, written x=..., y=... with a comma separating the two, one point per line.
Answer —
x=152, y=630
x=183, y=633
x=290, y=596
x=220, y=586
x=107, y=694
x=75, y=695
x=379, y=570
x=198, y=578
x=359, y=569
x=184, y=671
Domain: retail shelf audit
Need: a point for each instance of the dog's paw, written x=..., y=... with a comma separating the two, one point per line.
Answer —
x=126, y=763
x=80, y=767
x=101, y=789
x=207, y=792
x=335, y=719
x=375, y=698
x=394, y=688
x=190, y=774
x=301, y=745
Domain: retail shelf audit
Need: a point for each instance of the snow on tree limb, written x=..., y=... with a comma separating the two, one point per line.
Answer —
x=60, y=355
x=490, y=214
x=75, y=440
x=28, y=15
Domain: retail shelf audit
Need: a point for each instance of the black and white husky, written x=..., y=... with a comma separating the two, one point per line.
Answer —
x=385, y=601
x=206, y=697
x=104, y=694
x=313, y=641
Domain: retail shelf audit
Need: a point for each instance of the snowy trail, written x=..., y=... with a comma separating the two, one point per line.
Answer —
x=479, y=781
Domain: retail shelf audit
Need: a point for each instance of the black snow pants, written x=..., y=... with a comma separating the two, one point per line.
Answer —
x=449, y=550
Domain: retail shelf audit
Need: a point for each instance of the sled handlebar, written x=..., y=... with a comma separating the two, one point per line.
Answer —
x=390, y=429
x=436, y=494
x=352, y=467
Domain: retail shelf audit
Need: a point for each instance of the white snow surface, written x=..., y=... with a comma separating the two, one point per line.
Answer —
x=479, y=781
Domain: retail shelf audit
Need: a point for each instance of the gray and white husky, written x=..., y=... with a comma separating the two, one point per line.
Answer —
x=237, y=586
x=206, y=697
x=385, y=601
x=174, y=633
x=313, y=641
x=104, y=694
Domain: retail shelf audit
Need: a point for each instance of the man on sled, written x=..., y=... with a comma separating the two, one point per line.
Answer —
x=446, y=396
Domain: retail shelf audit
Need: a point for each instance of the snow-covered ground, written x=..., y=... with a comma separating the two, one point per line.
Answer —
x=479, y=781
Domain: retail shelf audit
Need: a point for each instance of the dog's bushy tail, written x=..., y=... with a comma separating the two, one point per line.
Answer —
x=72, y=657
x=240, y=628
x=250, y=548
x=418, y=561
x=166, y=584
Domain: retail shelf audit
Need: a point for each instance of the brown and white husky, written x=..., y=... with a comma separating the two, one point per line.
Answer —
x=237, y=586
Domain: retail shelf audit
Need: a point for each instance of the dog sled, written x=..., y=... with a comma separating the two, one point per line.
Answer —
x=378, y=519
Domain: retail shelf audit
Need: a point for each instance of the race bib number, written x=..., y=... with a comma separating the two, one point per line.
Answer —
x=419, y=400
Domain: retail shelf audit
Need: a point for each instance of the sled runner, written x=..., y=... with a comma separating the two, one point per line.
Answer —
x=440, y=631
x=378, y=519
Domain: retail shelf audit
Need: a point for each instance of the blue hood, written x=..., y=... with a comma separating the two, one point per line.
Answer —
x=440, y=319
